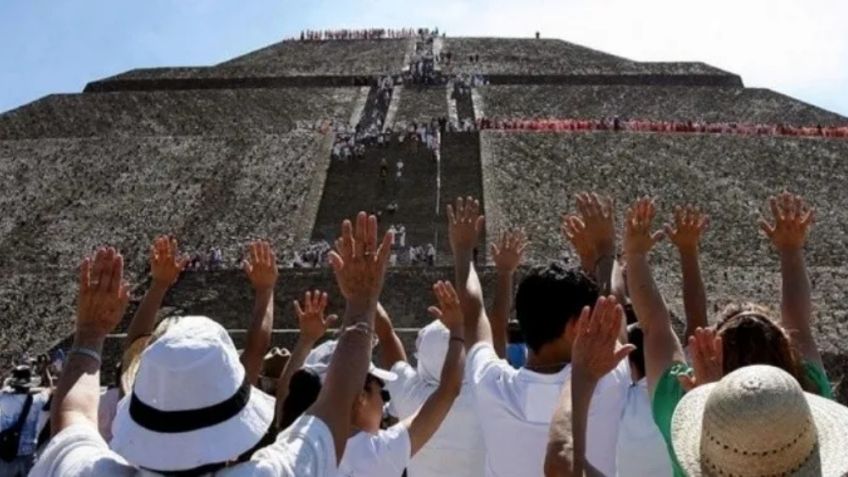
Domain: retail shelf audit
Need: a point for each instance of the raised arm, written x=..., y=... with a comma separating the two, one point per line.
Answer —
x=261, y=270
x=662, y=348
x=596, y=352
x=507, y=255
x=391, y=347
x=103, y=299
x=792, y=220
x=464, y=226
x=313, y=325
x=426, y=422
x=689, y=226
x=360, y=267
x=166, y=264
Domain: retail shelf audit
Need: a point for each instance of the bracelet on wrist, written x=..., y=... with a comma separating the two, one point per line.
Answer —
x=457, y=338
x=89, y=352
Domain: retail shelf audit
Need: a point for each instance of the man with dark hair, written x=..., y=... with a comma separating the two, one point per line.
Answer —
x=516, y=406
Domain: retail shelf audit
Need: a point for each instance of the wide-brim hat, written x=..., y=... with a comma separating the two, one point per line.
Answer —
x=319, y=358
x=758, y=421
x=191, y=404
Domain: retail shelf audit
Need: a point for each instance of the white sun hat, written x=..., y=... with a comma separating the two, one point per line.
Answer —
x=758, y=421
x=318, y=360
x=191, y=404
x=431, y=347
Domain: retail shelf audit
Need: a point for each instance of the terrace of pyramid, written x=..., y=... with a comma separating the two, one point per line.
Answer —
x=220, y=154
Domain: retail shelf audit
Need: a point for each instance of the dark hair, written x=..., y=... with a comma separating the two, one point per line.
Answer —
x=637, y=339
x=303, y=391
x=548, y=298
x=751, y=336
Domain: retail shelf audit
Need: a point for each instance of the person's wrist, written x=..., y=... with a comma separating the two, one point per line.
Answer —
x=583, y=377
x=790, y=251
x=688, y=249
x=160, y=284
x=308, y=339
x=89, y=339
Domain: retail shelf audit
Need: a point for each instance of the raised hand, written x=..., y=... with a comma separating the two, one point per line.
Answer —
x=596, y=349
x=706, y=350
x=261, y=265
x=103, y=295
x=166, y=263
x=359, y=264
x=598, y=215
x=638, y=239
x=448, y=311
x=509, y=251
x=310, y=316
x=574, y=230
x=464, y=225
x=689, y=226
x=792, y=220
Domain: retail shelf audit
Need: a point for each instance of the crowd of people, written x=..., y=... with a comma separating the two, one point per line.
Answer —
x=617, y=124
x=365, y=34
x=606, y=386
x=313, y=255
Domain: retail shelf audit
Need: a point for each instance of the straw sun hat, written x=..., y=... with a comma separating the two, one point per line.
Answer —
x=758, y=421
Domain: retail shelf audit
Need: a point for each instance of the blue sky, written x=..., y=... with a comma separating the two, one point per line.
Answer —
x=797, y=47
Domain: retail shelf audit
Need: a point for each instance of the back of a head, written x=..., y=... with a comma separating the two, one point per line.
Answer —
x=751, y=336
x=548, y=298
x=304, y=387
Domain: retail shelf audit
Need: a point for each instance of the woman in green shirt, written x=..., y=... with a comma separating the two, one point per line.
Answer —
x=745, y=335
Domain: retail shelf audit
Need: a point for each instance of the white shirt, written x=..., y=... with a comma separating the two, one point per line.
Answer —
x=456, y=449
x=641, y=447
x=305, y=449
x=516, y=406
x=384, y=454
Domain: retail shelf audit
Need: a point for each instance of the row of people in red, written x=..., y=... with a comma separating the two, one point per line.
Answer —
x=616, y=124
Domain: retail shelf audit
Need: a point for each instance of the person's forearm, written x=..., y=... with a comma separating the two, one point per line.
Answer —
x=500, y=313
x=77, y=393
x=391, y=347
x=694, y=296
x=258, y=333
x=647, y=301
x=144, y=320
x=602, y=271
x=298, y=356
x=796, y=304
x=559, y=455
x=476, y=323
x=346, y=373
x=581, y=398
x=434, y=410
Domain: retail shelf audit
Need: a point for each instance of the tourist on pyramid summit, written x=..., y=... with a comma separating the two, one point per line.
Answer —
x=191, y=410
x=744, y=335
x=516, y=406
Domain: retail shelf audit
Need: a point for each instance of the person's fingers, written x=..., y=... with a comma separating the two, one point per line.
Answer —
x=307, y=301
x=495, y=250
x=766, y=227
x=459, y=208
x=435, y=311
x=253, y=254
x=371, y=234
x=336, y=261
x=623, y=351
x=583, y=321
x=105, y=281
x=245, y=265
x=686, y=382
x=775, y=210
x=657, y=236
x=85, y=276
x=347, y=239
x=298, y=311
x=480, y=223
x=385, y=250
x=678, y=215
x=322, y=303
x=718, y=344
x=117, y=275
x=450, y=292
x=451, y=215
x=359, y=232
x=331, y=321
x=669, y=231
x=809, y=217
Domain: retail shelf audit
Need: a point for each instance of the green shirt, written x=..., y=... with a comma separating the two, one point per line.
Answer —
x=669, y=392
